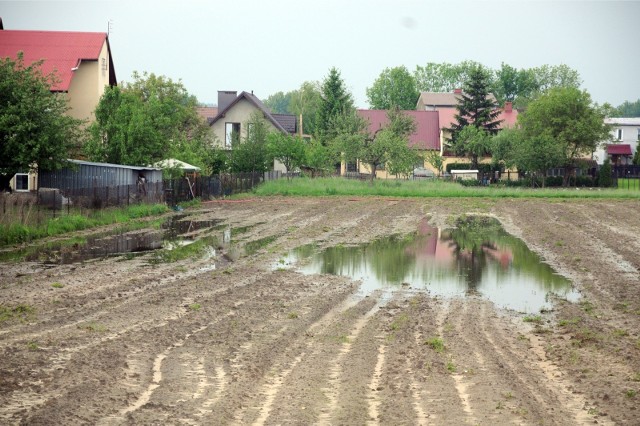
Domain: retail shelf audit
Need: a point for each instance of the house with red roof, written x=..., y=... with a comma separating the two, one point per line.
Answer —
x=82, y=62
x=445, y=105
x=624, y=142
x=425, y=138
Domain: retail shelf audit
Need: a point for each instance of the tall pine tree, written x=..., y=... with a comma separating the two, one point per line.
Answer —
x=476, y=107
x=336, y=101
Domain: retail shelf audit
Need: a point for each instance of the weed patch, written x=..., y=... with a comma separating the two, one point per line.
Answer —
x=436, y=344
x=19, y=312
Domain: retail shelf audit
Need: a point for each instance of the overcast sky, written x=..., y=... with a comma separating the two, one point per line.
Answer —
x=269, y=46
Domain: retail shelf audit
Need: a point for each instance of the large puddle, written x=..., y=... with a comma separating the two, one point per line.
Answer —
x=475, y=257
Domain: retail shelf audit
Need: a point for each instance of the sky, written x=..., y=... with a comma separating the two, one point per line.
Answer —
x=268, y=46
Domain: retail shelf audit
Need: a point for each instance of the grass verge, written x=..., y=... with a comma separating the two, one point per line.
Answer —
x=433, y=188
x=18, y=233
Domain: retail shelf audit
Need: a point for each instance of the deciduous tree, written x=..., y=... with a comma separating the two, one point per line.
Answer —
x=148, y=120
x=394, y=88
x=288, y=149
x=567, y=116
x=35, y=130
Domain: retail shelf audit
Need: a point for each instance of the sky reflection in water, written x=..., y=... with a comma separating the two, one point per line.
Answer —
x=476, y=257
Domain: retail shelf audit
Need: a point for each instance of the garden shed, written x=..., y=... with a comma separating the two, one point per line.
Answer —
x=105, y=183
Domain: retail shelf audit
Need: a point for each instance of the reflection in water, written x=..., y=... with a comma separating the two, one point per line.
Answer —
x=476, y=257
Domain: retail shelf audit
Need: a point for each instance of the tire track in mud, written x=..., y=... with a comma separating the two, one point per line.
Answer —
x=538, y=397
x=304, y=377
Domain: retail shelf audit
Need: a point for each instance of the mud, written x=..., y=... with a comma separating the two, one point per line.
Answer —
x=124, y=341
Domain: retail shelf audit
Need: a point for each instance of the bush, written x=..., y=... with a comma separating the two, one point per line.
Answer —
x=604, y=175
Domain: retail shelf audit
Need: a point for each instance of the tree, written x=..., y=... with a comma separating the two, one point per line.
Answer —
x=436, y=160
x=567, y=116
x=35, y=130
x=335, y=102
x=288, y=149
x=604, y=175
x=636, y=157
x=478, y=109
x=279, y=102
x=444, y=77
x=512, y=85
x=394, y=88
x=306, y=101
x=628, y=109
x=388, y=147
x=318, y=157
x=472, y=142
x=148, y=120
x=249, y=154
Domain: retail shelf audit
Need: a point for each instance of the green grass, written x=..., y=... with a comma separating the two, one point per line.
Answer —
x=436, y=344
x=17, y=233
x=19, y=312
x=533, y=318
x=195, y=306
x=433, y=188
x=629, y=184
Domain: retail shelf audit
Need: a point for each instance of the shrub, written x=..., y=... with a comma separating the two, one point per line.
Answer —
x=604, y=175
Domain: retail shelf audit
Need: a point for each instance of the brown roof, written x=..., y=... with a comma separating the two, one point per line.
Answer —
x=441, y=99
x=426, y=136
x=258, y=104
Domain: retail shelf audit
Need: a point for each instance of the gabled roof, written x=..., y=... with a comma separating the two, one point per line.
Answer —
x=61, y=51
x=619, y=149
x=426, y=136
x=250, y=97
x=442, y=99
x=447, y=117
x=288, y=121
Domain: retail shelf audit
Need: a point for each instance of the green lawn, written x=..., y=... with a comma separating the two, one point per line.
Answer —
x=629, y=184
x=423, y=188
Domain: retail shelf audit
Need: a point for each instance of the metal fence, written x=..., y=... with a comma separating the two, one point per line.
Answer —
x=45, y=203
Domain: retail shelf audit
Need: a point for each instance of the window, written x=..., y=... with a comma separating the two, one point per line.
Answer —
x=231, y=131
x=618, y=134
x=22, y=182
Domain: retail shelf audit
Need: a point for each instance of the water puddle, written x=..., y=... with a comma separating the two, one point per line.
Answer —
x=177, y=232
x=475, y=257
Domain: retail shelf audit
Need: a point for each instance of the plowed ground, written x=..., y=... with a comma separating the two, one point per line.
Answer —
x=124, y=342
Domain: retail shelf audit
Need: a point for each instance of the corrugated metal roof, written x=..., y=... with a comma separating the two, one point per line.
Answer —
x=120, y=166
x=619, y=149
x=427, y=134
x=61, y=51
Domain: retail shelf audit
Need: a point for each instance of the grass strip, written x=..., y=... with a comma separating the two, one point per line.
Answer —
x=425, y=188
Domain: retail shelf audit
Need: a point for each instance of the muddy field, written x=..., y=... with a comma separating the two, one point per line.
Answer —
x=123, y=341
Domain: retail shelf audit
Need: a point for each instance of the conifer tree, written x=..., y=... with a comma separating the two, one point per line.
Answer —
x=336, y=101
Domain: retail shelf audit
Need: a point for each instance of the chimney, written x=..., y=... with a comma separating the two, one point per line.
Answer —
x=508, y=106
x=225, y=97
x=457, y=91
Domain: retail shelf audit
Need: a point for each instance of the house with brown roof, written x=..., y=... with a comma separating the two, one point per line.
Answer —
x=82, y=62
x=234, y=112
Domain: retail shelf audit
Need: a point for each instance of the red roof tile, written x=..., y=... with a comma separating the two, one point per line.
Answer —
x=619, y=149
x=61, y=50
x=427, y=134
x=447, y=117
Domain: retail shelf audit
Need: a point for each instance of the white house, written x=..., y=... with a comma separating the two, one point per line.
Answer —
x=625, y=133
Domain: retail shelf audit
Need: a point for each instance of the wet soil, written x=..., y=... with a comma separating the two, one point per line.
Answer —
x=123, y=341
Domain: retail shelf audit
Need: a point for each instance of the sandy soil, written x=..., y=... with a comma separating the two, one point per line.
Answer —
x=124, y=342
